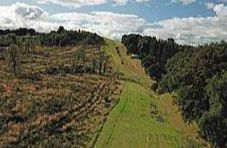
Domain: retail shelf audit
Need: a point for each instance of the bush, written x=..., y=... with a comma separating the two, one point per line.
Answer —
x=154, y=86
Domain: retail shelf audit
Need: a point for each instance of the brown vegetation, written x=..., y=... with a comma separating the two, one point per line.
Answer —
x=56, y=99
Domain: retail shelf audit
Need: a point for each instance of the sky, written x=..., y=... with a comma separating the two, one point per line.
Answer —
x=187, y=21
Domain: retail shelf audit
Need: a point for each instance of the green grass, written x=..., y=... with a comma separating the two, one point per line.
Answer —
x=131, y=69
x=130, y=123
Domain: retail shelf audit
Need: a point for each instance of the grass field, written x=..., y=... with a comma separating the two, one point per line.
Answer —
x=143, y=118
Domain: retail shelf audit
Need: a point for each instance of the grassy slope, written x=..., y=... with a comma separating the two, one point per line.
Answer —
x=130, y=124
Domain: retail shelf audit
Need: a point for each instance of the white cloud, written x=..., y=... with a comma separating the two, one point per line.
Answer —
x=120, y=2
x=194, y=30
x=184, y=2
x=220, y=10
x=210, y=5
x=80, y=3
x=20, y=14
x=113, y=25
x=108, y=24
x=142, y=1
x=73, y=3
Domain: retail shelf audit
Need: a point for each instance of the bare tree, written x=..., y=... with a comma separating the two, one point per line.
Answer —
x=101, y=61
x=14, y=58
x=106, y=62
x=79, y=58
x=94, y=65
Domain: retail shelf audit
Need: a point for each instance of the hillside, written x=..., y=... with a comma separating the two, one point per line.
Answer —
x=142, y=118
x=195, y=74
x=73, y=89
x=58, y=97
x=113, y=74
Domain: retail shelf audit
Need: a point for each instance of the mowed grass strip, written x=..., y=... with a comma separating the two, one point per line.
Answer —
x=130, y=124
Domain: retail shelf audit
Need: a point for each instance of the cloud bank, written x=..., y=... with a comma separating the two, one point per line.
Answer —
x=108, y=24
x=192, y=30
x=80, y=3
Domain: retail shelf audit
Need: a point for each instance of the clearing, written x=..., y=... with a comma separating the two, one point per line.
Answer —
x=56, y=100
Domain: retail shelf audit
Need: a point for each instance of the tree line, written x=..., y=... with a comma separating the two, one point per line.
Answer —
x=198, y=76
x=61, y=37
x=20, y=42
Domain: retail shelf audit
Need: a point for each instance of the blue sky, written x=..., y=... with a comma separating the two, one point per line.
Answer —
x=187, y=21
x=153, y=10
